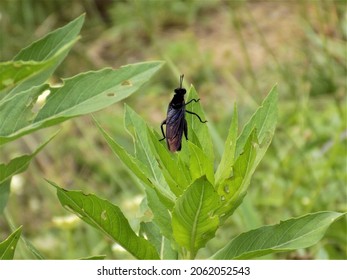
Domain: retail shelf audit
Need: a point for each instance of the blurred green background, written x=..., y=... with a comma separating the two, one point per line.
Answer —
x=231, y=51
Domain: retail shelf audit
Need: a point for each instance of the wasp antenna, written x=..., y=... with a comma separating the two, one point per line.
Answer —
x=181, y=80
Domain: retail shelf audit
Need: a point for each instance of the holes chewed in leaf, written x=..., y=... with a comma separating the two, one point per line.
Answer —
x=104, y=215
x=126, y=83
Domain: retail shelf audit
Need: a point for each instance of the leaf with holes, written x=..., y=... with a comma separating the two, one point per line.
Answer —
x=82, y=94
x=108, y=219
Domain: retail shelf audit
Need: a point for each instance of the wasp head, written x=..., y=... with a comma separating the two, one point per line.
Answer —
x=180, y=90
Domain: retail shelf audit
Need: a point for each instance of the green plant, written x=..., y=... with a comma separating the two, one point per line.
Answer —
x=189, y=200
x=25, y=106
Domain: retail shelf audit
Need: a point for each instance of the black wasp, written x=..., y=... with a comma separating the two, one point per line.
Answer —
x=175, y=121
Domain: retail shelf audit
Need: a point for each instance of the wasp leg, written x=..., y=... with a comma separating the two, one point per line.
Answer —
x=196, y=100
x=192, y=113
x=162, y=129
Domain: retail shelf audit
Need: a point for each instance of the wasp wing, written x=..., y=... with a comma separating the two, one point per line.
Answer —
x=175, y=123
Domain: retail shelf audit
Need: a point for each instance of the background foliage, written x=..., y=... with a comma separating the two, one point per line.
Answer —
x=231, y=51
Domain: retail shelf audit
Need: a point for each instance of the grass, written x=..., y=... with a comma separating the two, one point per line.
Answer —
x=231, y=53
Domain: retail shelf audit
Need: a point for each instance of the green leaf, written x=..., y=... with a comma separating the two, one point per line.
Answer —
x=42, y=57
x=82, y=94
x=162, y=217
x=13, y=73
x=248, y=153
x=4, y=194
x=174, y=170
x=131, y=162
x=143, y=151
x=289, y=235
x=32, y=249
x=198, y=132
x=193, y=221
x=19, y=164
x=108, y=219
x=8, y=246
x=224, y=169
x=97, y=257
x=134, y=165
x=264, y=121
x=233, y=189
x=162, y=244
x=200, y=164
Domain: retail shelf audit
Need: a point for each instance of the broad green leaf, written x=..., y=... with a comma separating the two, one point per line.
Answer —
x=82, y=94
x=108, y=219
x=264, y=121
x=48, y=52
x=224, y=169
x=19, y=164
x=288, y=235
x=8, y=246
x=233, y=189
x=143, y=151
x=193, y=220
x=4, y=194
x=92, y=91
x=200, y=164
x=196, y=128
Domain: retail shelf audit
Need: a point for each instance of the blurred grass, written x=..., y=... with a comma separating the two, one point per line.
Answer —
x=232, y=51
